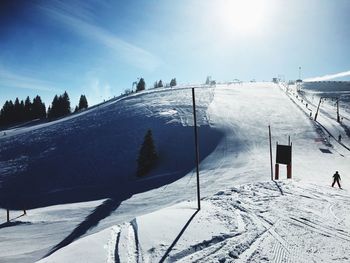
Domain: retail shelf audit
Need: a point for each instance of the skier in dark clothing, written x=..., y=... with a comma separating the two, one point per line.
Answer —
x=336, y=179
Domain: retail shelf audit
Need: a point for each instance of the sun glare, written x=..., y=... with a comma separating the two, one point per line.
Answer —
x=242, y=16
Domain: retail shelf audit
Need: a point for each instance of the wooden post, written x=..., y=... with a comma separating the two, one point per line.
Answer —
x=270, y=153
x=277, y=171
x=8, y=215
x=289, y=171
x=196, y=147
x=289, y=167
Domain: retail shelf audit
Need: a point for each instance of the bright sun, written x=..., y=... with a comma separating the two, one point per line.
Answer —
x=242, y=16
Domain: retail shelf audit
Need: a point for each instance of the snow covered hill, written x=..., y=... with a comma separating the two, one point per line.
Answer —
x=245, y=216
x=260, y=222
x=93, y=155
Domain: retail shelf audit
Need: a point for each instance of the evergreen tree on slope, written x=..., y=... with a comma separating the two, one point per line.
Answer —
x=147, y=156
x=141, y=85
x=83, y=104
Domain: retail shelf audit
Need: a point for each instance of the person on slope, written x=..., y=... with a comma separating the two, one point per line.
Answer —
x=336, y=179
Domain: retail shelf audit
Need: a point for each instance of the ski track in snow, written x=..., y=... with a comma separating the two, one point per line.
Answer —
x=260, y=228
x=112, y=250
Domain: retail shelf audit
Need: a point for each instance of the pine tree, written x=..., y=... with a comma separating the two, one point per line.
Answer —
x=65, y=104
x=141, y=85
x=160, y=84
x=173, y=82
x=155, y=84
x=207, y=81
x=83, y=104
x=38, y=108
x=9, y=109
x=28, y=109
x=52, y=111
x=60, y=106
x=17, y=110
x=7, y=113
x=21, y=113
x=147, y=156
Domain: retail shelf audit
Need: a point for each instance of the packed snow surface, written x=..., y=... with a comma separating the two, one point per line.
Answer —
x=261, y=222
x=245, y=217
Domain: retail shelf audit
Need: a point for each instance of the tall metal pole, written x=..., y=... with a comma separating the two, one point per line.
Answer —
x=8, y=215
x=270, y=152
x=196, y=148
x=318, y=109
x=338, y=117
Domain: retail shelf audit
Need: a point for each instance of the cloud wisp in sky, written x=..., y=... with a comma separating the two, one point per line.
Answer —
x=98, y=91
x=80, y=22
x=329, y=76
x=13, y=80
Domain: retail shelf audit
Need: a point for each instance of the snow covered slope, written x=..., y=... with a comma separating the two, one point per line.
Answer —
x=89, y=156
x=93, y=154
x=240, y=164
x=261, y=222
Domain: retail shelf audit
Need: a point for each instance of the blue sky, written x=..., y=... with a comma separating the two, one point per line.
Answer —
x=99, y=48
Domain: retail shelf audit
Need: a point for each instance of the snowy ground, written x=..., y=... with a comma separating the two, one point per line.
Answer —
x=261, y=222
x=245, y=216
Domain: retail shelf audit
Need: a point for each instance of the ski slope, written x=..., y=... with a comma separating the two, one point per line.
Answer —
x=261, y=222
x=245, y=216
x=93, y=155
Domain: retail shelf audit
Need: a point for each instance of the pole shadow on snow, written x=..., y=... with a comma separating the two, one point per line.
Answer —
x=13, y=222
x=279, y=187
x=111, y=204
x=100, y=212
x=178, y=237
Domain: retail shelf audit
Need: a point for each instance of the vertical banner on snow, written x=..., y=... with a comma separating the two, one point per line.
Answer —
x=283, y=156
